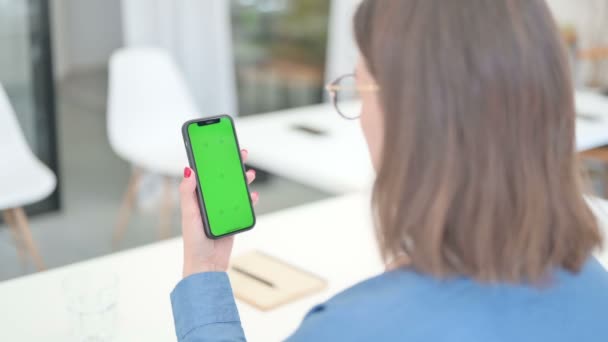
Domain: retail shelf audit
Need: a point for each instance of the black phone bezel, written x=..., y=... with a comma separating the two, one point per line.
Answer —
x=199, y=191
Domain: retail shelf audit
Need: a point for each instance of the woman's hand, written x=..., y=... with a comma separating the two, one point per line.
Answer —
x=202, y=254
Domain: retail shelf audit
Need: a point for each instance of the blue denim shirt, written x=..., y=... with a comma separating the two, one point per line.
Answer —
x=406, y=306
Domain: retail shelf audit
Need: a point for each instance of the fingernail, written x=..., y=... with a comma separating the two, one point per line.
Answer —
x=253, y=171
x=187, y=172
x=245, y=151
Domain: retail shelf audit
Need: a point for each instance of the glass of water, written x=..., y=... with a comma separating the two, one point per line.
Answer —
x=91, y=304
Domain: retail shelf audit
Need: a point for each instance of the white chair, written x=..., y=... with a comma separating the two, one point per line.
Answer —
x=148, y=101
x=24, y=180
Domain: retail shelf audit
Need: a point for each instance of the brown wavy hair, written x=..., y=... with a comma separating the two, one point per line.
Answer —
x=479, y=175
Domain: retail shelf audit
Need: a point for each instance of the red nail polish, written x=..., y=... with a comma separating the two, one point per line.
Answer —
x=187, y=172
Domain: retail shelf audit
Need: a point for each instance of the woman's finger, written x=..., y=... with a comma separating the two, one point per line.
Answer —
x=189, y=204
x=255, y=197
x=250, y=176
x=244, y=154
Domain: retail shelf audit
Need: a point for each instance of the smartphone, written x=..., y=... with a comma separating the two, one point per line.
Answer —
x=222, y=190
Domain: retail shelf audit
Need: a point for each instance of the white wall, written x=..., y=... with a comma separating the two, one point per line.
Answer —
x=341, y=49
x=84, y=33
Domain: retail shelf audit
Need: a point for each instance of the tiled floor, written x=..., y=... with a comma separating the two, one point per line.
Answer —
x=93, y=179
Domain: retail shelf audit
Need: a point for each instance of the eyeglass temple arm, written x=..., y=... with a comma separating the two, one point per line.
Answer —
x=336, y=87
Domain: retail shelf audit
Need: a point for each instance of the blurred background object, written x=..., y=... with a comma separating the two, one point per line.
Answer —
x=584, y=25
x=26, y=76
x=96, y=92
x=24, y=180
x=279, y=52
x=147, y=102
x=101, y=128
x=55, y=71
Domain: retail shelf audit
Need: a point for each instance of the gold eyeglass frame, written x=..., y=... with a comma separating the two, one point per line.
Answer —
x=334, y=86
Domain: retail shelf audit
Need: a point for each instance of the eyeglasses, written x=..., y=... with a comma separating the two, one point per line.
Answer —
x=344, y=93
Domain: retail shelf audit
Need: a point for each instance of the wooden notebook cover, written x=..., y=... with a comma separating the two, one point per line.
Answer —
x=266, y=282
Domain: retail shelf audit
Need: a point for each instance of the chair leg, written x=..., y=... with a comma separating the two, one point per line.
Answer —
x=605, y=179
x=9, y=218
x=26, y=236
x=126, y=208
x=166, y=209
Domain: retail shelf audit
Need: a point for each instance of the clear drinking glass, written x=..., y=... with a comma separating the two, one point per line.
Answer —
x=91, y=305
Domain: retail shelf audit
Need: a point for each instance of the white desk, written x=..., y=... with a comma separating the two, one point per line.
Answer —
x=338, y=162
x=332, y=238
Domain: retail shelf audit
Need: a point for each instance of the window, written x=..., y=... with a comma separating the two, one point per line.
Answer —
x=280, y=53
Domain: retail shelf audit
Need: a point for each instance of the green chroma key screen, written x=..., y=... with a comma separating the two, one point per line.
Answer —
x=220, y=175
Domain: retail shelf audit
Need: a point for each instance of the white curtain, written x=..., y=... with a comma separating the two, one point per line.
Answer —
x=198, y=35
x=341, y=50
